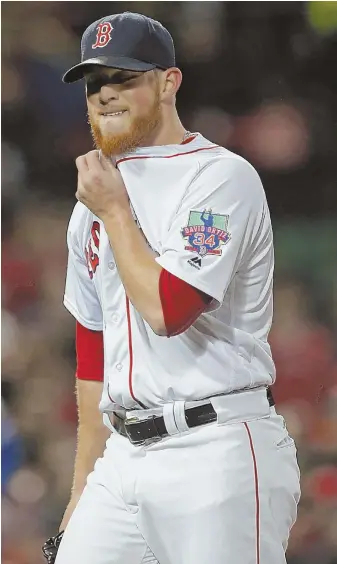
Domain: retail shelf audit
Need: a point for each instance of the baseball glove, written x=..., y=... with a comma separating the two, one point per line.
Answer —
x=51, y=547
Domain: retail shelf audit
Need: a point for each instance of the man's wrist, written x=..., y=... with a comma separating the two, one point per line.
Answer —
x=117, y=212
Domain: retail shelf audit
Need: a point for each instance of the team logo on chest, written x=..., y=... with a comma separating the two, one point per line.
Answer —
x=92, y=249
x=206, y=233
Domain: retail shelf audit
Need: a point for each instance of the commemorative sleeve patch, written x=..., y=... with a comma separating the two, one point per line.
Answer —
x=206, y=233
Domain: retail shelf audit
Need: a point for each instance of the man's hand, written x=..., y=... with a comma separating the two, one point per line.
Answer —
x=100, y=185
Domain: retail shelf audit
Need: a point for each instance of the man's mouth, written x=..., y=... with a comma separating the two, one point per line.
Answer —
x=114, y=113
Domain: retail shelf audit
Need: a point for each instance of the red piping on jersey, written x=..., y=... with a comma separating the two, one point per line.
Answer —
x=167, y=157
x=257, y=499
x=131, y=353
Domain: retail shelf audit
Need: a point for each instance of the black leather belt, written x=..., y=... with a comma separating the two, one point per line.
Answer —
x=152, y=429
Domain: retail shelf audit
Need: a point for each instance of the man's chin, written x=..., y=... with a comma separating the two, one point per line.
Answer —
x=112, y=134
x=112, y=145
x=115, y=126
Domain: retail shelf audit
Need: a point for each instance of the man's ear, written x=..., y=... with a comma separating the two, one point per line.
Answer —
x=171, y=81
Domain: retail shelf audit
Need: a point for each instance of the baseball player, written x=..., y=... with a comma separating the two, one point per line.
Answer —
x=170, y=282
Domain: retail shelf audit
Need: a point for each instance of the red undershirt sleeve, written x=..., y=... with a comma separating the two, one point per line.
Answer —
x=90, y=354
x=182, y=303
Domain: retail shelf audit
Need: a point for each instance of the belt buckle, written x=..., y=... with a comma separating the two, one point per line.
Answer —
x=141, y=442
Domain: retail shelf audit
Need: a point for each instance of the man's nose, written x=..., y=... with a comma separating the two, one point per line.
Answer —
x=107, y=93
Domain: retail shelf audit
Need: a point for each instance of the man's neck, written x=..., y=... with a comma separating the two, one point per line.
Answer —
x=171, y=133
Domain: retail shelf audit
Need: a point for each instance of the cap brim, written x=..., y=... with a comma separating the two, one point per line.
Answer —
x=117, y=62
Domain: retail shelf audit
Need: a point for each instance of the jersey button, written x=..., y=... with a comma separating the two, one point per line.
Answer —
x=119, y=366
x=111, y=265
x=115, y=317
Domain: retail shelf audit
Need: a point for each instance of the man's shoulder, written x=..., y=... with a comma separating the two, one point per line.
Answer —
x=80, y=217
x=222, y=158
x=221, y=166
x=80, y=223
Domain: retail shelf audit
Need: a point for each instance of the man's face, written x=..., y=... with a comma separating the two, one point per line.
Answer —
x=123, y=108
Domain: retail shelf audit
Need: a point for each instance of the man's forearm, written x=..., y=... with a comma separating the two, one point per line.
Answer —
x=90, y=446
x=136, y=265
x=92, y=434
x=91, y=438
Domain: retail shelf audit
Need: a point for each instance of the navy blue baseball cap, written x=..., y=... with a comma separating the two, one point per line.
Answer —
x=124, y=41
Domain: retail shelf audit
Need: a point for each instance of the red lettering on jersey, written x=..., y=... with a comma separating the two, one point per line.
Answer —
x=95, y=233
x=92, y=257
x=103, y=35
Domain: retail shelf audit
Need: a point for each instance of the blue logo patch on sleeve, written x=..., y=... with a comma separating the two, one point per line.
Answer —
x=206, y=232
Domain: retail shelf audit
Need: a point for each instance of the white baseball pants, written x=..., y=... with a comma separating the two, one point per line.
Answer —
x=222, y=493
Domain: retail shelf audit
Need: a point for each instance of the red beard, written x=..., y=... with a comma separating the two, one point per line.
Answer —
x=140, y=133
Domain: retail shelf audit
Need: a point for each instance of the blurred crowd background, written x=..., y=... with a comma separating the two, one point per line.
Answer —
x=260, y=79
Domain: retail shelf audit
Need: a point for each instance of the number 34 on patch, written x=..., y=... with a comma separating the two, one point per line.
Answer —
x=206, y=232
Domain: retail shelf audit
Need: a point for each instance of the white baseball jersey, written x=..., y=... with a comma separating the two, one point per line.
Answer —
x=203, y=211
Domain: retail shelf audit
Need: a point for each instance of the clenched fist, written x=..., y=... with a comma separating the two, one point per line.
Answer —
x=100, y=185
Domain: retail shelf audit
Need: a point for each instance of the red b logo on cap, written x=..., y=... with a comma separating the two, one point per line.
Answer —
x=103, y=34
